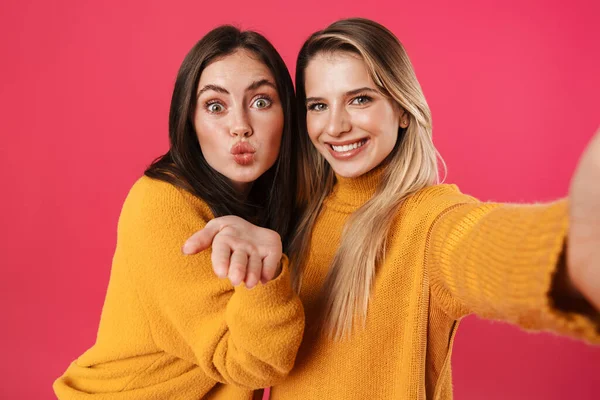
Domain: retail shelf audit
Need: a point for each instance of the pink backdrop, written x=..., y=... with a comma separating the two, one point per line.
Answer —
x=85, y=93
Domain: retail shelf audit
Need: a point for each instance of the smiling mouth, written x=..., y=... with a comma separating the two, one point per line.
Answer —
x=348, y=147
x=347, y=150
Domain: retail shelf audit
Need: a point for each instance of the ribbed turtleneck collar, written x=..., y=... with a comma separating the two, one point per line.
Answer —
x=351, y=193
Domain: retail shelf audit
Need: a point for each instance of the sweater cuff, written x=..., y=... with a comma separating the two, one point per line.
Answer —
x=560, y=312
x=278, y=288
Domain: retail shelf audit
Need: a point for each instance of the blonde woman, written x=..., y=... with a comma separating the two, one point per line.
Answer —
x=387, y=260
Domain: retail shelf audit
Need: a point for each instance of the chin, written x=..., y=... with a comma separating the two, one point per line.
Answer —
x=244, y=179
x=245, y=176
x=350, y=172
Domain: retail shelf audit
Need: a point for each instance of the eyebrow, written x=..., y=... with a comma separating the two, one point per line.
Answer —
x=263, y=82
x=253, y=86
x=349, y=93
x=212, y=87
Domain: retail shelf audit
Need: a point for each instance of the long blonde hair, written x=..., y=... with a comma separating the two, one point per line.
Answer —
x=411, y=166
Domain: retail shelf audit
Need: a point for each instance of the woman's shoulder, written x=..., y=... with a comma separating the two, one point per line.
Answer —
x=440, y=196
x=159, y=198
x=431, y=201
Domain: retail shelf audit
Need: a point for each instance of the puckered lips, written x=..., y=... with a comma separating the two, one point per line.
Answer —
x=243, y=153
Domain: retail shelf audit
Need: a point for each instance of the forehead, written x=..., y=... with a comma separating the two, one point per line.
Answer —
x=334, y=73
x=239, y=68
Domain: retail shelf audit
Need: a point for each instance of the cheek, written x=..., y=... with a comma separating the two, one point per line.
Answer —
x=388, y=137
x=202, y=127
x=272, y=126
x=313, y=126
x=369, y=120
x=380, y=123
x=210, y=137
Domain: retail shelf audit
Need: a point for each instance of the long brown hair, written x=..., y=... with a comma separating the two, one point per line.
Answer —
x=412, y=165
x=270, y=202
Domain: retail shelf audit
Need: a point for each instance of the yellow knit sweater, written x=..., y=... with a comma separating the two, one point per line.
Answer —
x=170, y=329
x=448, y=255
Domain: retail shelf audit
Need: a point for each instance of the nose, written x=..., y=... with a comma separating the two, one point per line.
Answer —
x=240, y=124
x=339, y=122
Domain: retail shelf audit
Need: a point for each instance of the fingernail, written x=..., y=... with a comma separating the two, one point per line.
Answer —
x=250, y=282
x=221, y=273
x=235, y=278
x=185, y=249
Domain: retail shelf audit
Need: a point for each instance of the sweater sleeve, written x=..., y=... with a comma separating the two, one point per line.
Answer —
x=237, y=336
x=499, y=261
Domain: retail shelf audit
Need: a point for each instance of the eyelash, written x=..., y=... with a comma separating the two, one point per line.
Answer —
x=210, y=103
x=268, y=98
x=363, y=96
x=312, y=106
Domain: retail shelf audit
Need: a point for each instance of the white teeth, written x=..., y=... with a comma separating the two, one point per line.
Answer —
x=348, y=147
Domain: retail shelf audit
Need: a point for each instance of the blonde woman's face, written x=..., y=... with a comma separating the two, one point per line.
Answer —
x=349, y=121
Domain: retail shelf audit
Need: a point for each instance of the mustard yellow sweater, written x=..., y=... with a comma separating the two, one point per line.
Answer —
x=448, y=255
x=170, y=329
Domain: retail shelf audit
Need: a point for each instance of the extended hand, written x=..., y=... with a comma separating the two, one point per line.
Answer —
x=583, y=250
x=241, y=251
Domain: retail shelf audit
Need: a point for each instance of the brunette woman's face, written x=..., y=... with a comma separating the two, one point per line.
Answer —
x=350, y=122
x=239, y=117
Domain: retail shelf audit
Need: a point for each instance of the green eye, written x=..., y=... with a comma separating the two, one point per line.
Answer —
x=214, y=108
x=262, y=103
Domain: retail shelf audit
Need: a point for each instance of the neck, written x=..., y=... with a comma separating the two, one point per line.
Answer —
x=357, y=191
x=242, y=189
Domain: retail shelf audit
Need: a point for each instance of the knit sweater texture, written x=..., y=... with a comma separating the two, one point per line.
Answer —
x=447, y=255
x=170, y=329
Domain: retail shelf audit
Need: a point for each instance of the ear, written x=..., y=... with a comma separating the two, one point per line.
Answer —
x=404, y=119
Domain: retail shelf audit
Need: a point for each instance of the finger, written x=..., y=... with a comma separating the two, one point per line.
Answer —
x=253, y=274
x=270, y=266
x=237, y=267
x=202, y=239
x=221, y=253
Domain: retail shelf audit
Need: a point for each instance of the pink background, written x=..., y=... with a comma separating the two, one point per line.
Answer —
x=85, y=94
